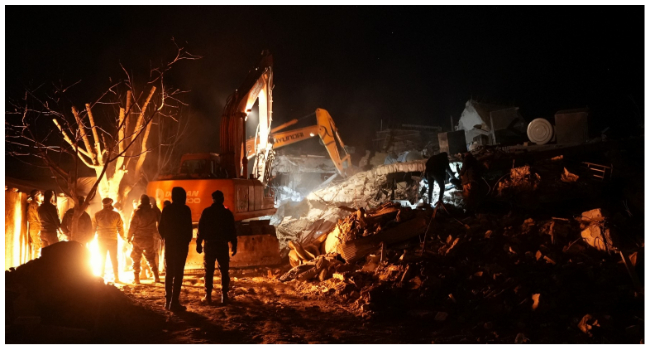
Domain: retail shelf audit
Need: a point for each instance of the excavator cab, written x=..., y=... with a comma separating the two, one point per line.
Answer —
x=202, y=166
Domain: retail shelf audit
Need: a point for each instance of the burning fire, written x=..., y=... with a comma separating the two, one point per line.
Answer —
x=96, y=260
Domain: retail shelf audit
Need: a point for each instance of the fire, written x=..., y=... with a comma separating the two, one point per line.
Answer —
x=96, y=260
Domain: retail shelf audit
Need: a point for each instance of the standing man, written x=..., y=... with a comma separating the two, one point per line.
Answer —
x=216, y=228
x=35, y=199
x=157, y=241
x=437, y=169
x=49, y=216
x=474, y=188
x=176, y=229
x=84, y=233
x=143, y=227
x=108, y=224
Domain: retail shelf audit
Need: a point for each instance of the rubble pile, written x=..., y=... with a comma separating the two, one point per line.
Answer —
x=319, y=212
x=56, y=298
x=499, y=278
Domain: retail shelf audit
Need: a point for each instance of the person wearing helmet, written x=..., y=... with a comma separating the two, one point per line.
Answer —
x=108, y=224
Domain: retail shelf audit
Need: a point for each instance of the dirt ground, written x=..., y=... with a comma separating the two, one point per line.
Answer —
x=264, y=310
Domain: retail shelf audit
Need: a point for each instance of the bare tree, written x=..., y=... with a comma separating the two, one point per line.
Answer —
x=114, y=145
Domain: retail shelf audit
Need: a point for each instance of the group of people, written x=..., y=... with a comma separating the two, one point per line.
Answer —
x=174, y=226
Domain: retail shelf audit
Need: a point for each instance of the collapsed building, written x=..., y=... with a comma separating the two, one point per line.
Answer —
x=404, y=143
x=491, y=124
x=555, y=252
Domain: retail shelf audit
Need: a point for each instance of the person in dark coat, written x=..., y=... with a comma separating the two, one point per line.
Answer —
x=84, y=233
x=437, y=169
x=216, y=228
x=49, y=217
x=175, y=228
x=142, y=229
x=474, y=187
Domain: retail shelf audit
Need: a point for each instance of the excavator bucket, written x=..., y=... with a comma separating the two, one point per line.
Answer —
x=257, y=245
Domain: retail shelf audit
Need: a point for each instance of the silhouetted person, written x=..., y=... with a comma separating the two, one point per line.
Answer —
x=216, y=228
x=84, y=232
x=157, y=241
x=176, y=229
x=48, y=214
x=143, y=227
x=166, y=203
x=154, y=206
x=108, y=224
x=437, y=169
x=474, y=188
x=35, y=199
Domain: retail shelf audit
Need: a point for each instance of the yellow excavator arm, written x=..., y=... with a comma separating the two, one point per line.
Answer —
x=325, y=129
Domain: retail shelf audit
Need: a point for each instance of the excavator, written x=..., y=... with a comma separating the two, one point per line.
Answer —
x=246, y=195
x=325, y=129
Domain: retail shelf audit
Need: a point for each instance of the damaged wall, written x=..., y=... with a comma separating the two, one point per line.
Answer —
x=475, y=120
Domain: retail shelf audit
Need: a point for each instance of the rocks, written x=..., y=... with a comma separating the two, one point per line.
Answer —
x=535, y=273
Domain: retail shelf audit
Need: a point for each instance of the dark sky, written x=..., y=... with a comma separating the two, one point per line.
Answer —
x=412, y=64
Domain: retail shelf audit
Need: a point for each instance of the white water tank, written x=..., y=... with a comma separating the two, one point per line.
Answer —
x=540, y=131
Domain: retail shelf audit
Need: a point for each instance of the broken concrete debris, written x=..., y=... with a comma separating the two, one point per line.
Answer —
x=536, y=274
x=524, y=275
x=595, y=232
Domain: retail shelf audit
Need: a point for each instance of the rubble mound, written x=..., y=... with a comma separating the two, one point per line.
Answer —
x=496, y=278
x=319, y=212
x=57, y=299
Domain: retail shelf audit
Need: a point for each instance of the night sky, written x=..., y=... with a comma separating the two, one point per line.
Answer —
x=364, y=64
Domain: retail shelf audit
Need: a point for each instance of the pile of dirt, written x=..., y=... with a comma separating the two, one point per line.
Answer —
x=500, y=278
x=319, y=212
x=56, y=299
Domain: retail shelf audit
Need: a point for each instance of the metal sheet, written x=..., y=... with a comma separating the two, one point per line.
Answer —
x=572, y=128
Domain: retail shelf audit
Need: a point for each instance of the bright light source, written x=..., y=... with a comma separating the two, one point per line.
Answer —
x=311, y=134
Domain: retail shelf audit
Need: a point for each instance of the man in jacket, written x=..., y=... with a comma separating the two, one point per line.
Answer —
x=437, y=169
x=108, y=224
x=35, y=199
x=176, y=229
x=84, y=232
x=474, y=187
x=49, y=217
x=216, y=228
x=143, y=227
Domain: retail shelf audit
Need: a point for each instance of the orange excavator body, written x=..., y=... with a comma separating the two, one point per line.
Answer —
x=200, y=174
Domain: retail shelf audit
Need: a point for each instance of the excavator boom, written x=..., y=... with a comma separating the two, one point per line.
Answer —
x=257, y=86
x=325, y=129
